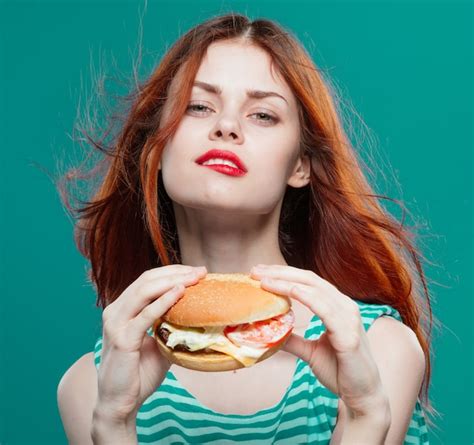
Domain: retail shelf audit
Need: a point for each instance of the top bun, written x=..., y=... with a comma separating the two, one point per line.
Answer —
x=225, y=299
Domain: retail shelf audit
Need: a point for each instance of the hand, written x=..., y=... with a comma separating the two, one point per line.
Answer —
x=132, y=366
x=341, y=358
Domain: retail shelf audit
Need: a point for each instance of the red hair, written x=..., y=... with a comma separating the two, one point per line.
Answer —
x=335, y=226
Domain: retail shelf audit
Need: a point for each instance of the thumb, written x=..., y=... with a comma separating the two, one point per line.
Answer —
x=299, y=346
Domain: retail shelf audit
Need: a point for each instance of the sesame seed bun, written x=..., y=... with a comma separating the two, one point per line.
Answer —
x=220, y=300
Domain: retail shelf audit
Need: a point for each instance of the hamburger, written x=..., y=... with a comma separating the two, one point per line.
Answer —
x=224, y=322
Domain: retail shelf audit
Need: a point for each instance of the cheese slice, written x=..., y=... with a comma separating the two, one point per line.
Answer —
x=245, y=355
x=213, y=338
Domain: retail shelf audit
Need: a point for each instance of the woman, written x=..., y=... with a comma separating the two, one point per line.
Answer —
x=299, y=205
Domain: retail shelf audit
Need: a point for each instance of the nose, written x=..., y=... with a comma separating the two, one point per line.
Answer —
x=228, y=129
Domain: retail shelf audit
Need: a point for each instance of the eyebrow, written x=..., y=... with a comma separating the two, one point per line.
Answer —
x=254, y=94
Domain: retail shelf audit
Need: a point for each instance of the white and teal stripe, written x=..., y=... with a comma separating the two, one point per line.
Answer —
x=307, y=412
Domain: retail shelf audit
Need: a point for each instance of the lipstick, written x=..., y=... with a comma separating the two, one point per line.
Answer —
x=215, y=154
x=226, y=169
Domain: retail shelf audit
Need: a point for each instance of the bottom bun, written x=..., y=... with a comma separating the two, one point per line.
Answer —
x=210, y=361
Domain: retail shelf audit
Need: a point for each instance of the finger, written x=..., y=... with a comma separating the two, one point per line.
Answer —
x=161, y=272
x=299, y=346
x=321, y=304
x=341, y=316
x=309, y=280
x=152, y=289
x=317, y=354
x=171, y=269
x=138, y=326
x=288, y=273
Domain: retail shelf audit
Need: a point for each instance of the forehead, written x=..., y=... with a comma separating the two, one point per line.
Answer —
x=238, y=66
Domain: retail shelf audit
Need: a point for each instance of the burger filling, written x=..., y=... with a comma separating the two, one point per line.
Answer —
x=245, y=342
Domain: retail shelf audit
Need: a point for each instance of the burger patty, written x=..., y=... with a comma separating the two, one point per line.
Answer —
x=164, y=334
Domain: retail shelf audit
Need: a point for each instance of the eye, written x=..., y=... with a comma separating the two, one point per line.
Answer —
x=263, y=117
x=194, y=107
x=266, y=117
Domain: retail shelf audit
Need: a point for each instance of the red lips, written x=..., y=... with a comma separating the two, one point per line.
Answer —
x=222, y=154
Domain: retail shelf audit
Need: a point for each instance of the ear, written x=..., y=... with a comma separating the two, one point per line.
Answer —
x=301, y=173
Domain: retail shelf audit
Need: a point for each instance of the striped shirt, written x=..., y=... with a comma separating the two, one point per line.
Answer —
x=307, y=413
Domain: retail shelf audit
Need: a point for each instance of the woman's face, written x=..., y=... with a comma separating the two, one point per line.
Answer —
x=263, y=132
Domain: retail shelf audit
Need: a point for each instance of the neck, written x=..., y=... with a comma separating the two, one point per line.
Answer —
x=227, y=242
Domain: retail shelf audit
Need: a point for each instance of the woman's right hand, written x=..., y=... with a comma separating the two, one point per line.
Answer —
x=132, y=366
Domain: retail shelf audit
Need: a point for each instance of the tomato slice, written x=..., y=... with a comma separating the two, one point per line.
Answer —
x=261, y=334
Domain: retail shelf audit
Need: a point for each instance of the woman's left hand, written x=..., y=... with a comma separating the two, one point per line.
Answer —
x=341, y=358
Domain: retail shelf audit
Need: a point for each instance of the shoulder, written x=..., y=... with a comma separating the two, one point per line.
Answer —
x=395, y=334
x=384, y=324
x=393, y=343
x=76, y=397
x=82, y=368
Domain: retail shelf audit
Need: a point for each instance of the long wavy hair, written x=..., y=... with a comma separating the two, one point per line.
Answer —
x=335, y=226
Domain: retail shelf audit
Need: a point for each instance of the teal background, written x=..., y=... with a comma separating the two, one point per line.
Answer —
x=405, y=68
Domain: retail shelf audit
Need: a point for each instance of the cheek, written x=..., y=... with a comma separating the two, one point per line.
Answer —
x=277, y=156
x=269, y=178
x=179, y=149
